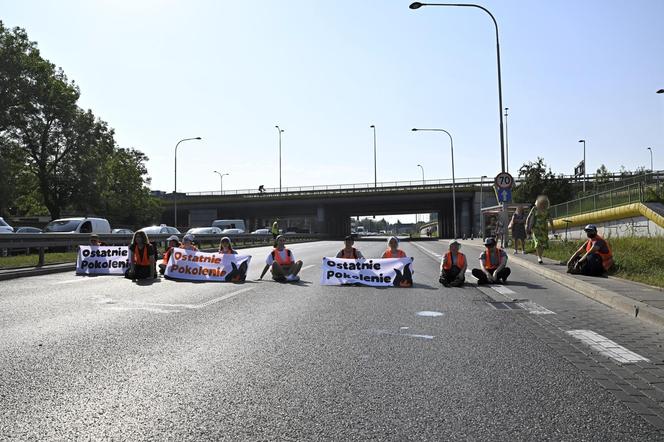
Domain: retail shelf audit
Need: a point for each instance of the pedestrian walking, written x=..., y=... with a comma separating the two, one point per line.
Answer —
x=518, y=227
x=537, y=224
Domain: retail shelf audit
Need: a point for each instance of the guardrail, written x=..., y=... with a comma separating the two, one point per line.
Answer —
x=632, y=193
x=44, y=241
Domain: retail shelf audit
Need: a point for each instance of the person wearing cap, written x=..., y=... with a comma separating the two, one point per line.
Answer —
x=188, y=242
x=594, y=257
x=393, y=250
x=453, y=266
x=94, y=240
x=173, y=243
x=349, y=252
x=226, y=246
x=493, y=261
x=282, y=263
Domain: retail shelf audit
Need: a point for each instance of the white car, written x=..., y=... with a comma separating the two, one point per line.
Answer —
x=160, y=230
x=78, y=225
x=261, y=232
x=232, y=231
x=204, y=231
x=4, y=227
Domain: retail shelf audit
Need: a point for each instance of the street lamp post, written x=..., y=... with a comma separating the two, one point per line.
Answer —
x=584, y=165
x=175, y=186
x=507, y=144
x=420, y=166
x=221, y=176
x=280, y=131
x=454, y=214
x=651, y=165
x=417, y=5
x=482, y=205
x=375, y=167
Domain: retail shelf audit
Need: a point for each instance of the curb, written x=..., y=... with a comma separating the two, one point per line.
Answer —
x=632, y=307
x=36, y=271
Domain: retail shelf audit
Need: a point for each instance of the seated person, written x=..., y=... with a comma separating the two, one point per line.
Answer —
x=453, y=266
x=226, y=247
x=594, y=257
x=393, y=250
x=94, y=240
x=142, y=264
x=494, y=264
x=349, y=252
x=188, y=242
x=282, y=263
x=173, y=243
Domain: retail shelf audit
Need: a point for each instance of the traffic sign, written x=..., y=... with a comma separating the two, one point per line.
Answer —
x=504, y=180
x=505, y=195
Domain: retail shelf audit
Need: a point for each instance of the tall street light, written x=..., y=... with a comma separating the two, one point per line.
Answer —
x=651, y=168
x=453, y=179
x=507, y=144
x=375, y=168
x=221, y=176
x=280, y=132
x=420, y=166
x=482, y=204
x=175, y=187
x=417, y=5
x=584, y=164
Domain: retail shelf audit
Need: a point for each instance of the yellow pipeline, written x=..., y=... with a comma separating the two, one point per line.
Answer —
x=612, y=214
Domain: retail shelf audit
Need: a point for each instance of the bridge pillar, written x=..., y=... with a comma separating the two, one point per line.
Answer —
x=465, y=223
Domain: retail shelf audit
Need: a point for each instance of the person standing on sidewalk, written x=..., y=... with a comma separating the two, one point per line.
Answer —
x=537, y=225
x=518, y=227
x=594, y=257
x=453, y=266
x=494, y=264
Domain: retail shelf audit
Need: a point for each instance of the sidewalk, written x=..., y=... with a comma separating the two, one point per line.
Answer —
x=637, y=300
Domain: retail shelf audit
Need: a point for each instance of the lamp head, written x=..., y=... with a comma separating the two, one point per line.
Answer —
x=372, y=126
x=415, y=5
x=414, y=129
x=198, y=138
x=582, y=141
x=661, y=91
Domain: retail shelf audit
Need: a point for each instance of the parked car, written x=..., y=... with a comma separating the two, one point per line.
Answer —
x=261, y=232
x=4, y=227
x=160, y=230
x=27, y=230
x=205, y=231
x=123, y=231
x=232, y=231
x=229, y=224
x=78, y=225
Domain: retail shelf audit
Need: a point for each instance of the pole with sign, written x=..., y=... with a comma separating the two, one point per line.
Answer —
x=504, y=182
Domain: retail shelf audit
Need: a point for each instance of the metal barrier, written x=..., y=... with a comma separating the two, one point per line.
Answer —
x=632, y=193
x=45, y=241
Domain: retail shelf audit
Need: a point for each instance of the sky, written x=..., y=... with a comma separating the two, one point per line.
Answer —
x=229, y=71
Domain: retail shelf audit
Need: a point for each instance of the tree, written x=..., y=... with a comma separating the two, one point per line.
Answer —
x=537, y=179
x=602, y=175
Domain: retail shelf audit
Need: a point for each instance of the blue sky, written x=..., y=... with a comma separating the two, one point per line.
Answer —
x=228, y=71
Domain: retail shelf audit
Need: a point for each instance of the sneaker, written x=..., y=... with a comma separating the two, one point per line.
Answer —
x=292, y=278
x=539, y=260
x=516, y=252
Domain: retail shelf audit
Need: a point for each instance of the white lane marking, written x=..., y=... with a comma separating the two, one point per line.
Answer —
x=149, y=309
x=196, y=306
x=307, y=267
x=429, y=314
x=536, y=309
x=80, y=279
x=425, y=250
x=607, y=347
x=503, y=290
x=408, y=335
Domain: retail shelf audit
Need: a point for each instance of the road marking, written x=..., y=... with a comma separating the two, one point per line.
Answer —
x=425, y=250
x=503, y=290
x=408, y=335
x=607, y=347
x=429, y=314
x=197, y=306
x=536, y=309
x=79, y=279
x=307, y=267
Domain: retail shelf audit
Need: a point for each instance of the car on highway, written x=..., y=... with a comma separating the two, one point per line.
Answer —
x=27, y=230
x=4, y=227
x=232, y=231
x=205, y=231
x=78, y=225
x=123, y=231
x=229, y=224
x=160, y=230
x=261, y=232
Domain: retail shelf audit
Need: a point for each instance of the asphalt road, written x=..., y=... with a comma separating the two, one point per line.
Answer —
x=104, y=358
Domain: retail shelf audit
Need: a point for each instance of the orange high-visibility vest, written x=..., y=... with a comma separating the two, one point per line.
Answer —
x=399, y=254
x=277, y=257
x=351, y=255
x=487, y=263
x=607, y=258
x=141, y=259
x=447, y=262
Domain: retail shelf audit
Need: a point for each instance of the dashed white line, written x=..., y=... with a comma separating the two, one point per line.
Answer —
x=607, y=347
x=536, y=309
x=197, y=306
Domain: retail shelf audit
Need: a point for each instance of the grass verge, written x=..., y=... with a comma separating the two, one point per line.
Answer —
x=636, y=258
x=9, y=262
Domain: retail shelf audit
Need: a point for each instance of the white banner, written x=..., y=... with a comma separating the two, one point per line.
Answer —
x=102, y=260
x=388, y=272
x=200, y=266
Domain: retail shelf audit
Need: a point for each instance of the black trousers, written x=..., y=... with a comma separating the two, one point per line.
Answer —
x=447, y=276
x=482, y=279
x=592, y=266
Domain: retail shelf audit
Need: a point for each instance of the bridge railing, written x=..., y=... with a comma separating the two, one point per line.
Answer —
x=632, y=193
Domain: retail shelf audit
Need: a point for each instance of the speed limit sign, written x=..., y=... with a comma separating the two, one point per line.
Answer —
x=504, y=180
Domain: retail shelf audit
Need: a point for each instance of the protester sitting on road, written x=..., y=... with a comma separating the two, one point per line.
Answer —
x=173, y=242
x=94, y=240
x=282, y=263
x=453, y=266
x=537, y=224
x=393, y=250
x=494, y=264
x=349, y=252
x=594, y=257
x=226, y=247
x=142, y=264
x=188, y=242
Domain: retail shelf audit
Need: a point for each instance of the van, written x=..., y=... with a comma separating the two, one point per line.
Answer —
x=224, y=224
x=78, y=225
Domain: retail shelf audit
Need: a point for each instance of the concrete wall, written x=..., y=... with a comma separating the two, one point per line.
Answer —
x=635, y=226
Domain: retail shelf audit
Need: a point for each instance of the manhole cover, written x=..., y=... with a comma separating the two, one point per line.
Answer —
x=506, y=305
